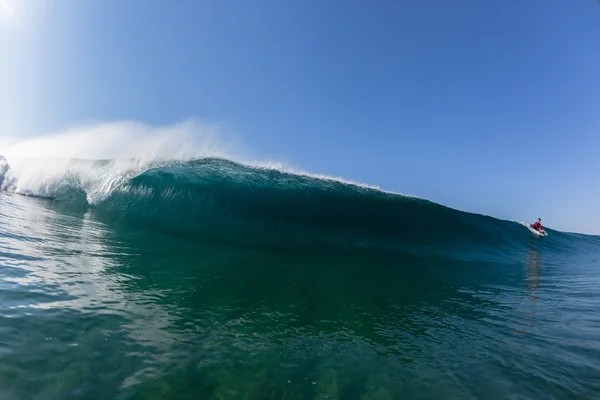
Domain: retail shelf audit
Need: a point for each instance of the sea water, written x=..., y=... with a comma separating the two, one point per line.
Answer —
x=208, y=279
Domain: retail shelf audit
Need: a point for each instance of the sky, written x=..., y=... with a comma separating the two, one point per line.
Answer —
x=486, y=106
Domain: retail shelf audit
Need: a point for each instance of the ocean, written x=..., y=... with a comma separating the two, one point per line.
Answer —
x=211, y=279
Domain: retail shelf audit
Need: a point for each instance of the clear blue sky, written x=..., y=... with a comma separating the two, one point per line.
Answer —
x=485, y=106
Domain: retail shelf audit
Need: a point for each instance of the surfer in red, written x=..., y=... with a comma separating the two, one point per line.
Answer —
x=538, y=225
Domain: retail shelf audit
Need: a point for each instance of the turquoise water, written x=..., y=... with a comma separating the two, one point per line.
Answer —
x=212, y=280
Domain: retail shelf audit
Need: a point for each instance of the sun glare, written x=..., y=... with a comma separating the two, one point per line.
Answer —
x=8, y=10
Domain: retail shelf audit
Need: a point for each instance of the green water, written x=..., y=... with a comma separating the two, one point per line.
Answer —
x=91, y=308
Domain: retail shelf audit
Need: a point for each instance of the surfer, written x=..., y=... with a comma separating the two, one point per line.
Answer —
x=538, y=225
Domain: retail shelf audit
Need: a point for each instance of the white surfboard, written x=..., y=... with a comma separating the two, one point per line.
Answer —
x=534, y=231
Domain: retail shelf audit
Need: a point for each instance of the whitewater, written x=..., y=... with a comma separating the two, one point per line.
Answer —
x=140, y=262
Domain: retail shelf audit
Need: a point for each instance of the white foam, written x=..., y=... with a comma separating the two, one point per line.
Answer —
x=44, y=165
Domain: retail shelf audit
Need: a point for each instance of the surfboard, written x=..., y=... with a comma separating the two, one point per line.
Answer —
x=535, y=232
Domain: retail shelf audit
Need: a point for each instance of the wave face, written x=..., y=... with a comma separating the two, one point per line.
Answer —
x=266, y=208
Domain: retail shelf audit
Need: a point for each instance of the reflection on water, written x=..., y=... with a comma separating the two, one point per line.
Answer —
x=64, y=291
x=533, y=274
x=532, y=279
